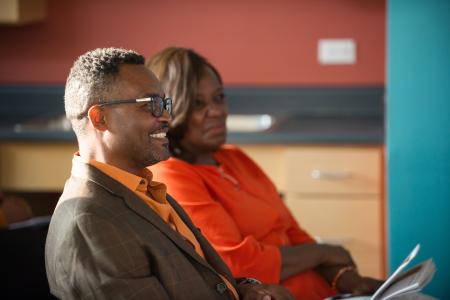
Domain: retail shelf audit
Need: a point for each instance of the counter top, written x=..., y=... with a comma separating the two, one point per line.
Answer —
x=321, y=115
x=322, y=131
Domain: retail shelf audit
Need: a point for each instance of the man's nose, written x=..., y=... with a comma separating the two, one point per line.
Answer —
x=166, y=116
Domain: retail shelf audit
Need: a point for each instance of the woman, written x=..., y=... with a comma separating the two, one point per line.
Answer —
x=228, y=196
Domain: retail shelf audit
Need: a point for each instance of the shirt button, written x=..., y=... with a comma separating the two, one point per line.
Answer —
x=221, y=287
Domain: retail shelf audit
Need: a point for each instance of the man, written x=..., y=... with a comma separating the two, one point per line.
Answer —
x=115, y=234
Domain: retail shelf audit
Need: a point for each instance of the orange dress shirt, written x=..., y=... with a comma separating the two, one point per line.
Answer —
x=239, y=210
x=154, y=195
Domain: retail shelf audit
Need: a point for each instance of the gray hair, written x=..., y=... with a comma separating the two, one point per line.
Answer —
x=91, y=78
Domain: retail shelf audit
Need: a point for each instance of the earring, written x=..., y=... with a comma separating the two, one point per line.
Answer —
x=177, y=151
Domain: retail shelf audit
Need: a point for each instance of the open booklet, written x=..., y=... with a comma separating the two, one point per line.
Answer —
x=402, y=285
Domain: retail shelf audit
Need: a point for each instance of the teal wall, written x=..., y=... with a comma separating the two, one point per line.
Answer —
x=418, y=134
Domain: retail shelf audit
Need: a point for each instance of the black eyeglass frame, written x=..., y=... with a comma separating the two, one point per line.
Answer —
x=165, y=104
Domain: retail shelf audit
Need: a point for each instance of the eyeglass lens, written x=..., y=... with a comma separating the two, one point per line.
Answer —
x=158, y=105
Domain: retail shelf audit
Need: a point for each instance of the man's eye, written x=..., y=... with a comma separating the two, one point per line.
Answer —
x=147, y=107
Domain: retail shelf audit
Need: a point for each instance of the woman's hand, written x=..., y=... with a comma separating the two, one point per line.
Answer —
x=332, y=255
x=327, y=260
x=366, y=286
x=334, y=259
x=301, y=258
x=352, y=282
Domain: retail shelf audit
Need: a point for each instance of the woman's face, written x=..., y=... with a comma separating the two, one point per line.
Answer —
x=206, y=126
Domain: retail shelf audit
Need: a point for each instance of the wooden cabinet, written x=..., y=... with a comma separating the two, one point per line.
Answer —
x=335, y=193
x=35, y=167
x=19, y=12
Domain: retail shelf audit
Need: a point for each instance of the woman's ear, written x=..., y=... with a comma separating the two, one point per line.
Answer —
x=97, y=118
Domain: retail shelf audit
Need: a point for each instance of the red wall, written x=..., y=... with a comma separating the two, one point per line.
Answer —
x=251, y=42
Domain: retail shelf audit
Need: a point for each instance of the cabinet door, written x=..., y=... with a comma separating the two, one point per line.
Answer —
x=35, y=167
x=349, y=170
x=271, y=159
x=350, y=221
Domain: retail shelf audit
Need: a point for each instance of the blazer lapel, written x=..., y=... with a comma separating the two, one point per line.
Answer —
x=140, y=208
x=88, y=172
x=211, y=255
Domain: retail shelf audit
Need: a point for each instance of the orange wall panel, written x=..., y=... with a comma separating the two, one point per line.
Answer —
x=251, y=42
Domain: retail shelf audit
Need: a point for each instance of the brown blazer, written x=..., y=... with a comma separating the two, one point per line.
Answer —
x=106, y=243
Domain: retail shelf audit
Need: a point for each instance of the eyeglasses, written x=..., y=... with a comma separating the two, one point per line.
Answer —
x=156, y=104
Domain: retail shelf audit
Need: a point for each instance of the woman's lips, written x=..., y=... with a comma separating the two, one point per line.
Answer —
x=220, y=128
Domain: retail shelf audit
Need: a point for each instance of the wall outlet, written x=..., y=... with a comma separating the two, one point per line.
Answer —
x=336, y=51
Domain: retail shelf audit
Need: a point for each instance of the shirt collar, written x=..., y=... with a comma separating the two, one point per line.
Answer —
x=131, y=181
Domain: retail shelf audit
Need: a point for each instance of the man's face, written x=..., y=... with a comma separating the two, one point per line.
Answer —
x=134, y=137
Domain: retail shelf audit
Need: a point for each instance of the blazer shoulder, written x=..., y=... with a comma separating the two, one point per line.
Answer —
x=81, y=196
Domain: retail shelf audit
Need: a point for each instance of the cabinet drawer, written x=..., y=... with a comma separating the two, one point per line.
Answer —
x=333, y=170
x=353, y=223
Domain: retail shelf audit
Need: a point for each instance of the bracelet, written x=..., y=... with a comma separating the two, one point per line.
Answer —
x=339, y=274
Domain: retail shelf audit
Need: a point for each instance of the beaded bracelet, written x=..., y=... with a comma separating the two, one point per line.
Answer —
x=339, y=274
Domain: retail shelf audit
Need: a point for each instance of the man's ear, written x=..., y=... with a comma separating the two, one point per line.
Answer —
x=97, y=118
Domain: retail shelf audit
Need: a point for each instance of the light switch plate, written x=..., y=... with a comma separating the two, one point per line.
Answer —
x=337, y=51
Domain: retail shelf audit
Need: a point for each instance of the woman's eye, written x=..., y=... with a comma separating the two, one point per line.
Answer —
x=220, y=98
x=198, y=104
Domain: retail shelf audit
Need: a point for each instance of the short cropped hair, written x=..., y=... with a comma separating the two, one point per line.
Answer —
x=91, y=78
x=179, y=70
